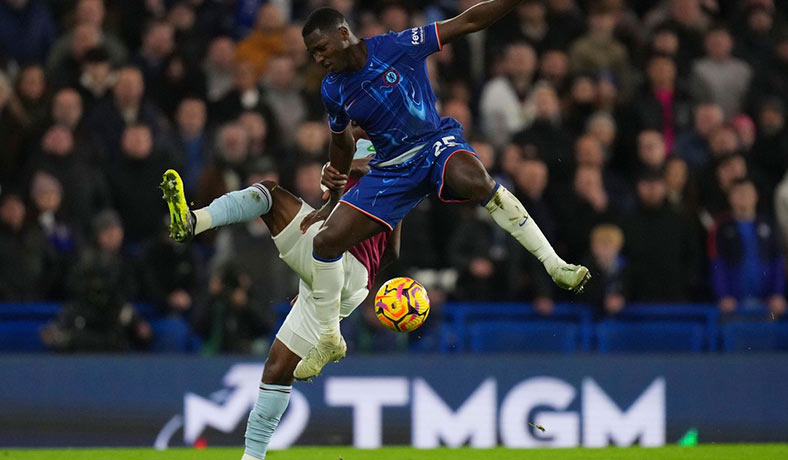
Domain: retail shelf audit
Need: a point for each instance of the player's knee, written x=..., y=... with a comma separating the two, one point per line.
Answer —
x=326, y=245
x=481, y=189
x=276, y=372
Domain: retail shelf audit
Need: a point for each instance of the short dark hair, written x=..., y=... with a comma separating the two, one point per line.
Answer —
x=322, y=18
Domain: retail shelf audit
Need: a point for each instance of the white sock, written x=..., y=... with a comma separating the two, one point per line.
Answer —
x=272, y=400
x=327, y=280
x=234, y=207
x=510, y=215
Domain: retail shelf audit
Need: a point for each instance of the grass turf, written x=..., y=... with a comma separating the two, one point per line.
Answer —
x=702, y=452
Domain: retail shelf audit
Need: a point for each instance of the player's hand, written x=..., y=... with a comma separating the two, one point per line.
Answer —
x=332, y=180
x=317, y=215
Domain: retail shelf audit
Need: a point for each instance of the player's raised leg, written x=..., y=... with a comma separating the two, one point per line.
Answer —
x=464, y=175
x=343, y=229
x=275, y=205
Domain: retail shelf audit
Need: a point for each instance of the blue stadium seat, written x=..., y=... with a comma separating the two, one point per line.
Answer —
x=705, y=315
x=28, y=311
x=649, y=336
x=461, y=316
x=21, y=336
x=755, y=336
x=173, y=335
x=541, y=336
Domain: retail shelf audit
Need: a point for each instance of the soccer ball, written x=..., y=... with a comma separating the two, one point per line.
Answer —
x=401, y=304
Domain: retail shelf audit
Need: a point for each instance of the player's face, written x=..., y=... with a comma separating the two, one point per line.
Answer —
x=327, y=49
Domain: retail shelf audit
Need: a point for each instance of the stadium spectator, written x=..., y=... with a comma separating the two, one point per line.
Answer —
x=26, y=256
x=283, y=94
x=719, y=77
x=768, y=155
x=747, y=266
x=266, y=41
x=587, y=204
x=661, y=247
x=175, y=292
x=598, y=50
x=192, y=141
x=607, y=264
x=229, y=323
x=661, y=104
x=26, y=30
x=96, y=77
x=651, y=151
x=545, y=131
x=693, y=146
x=103, y=281
x=109, y=118
x=133, y=180
x=84, y=186
x=228, y=169
x=502, y=98
x=218, y=68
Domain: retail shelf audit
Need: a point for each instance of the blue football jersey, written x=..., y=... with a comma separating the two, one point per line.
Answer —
x=390, y=97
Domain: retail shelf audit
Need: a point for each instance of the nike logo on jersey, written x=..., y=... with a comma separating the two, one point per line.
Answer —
x=350, y=104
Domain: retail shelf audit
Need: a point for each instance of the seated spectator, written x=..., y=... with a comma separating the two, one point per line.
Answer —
x=651, y=151
x=608, y=267
x=719, y=76
x=246, y=95
x=192, y=141
x=109, y=118
x=133, y=182
x=693, y=146
x=230, y=323
x=46, y=196
x=26, y=30
x=228, y=170
x=96, y=77
x=69, y=51
x=587, y=205
x=218, y=68
x=265, y=41
x=85, y=187
x=546, y=131
x=283, y=94
x=501, y=102
x=26, y=256
x=599, y=50
x=768, y=155
x=748, y=268
x=179, y=292
x=661, y=247
x=103, y=282
x=682, y=192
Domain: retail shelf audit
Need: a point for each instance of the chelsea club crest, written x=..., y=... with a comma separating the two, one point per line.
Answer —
x=391, y=77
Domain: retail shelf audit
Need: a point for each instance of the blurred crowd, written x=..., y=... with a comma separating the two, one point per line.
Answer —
x=646, y=138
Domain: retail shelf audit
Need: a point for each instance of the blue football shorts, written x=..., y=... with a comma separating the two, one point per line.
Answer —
x=388, y=194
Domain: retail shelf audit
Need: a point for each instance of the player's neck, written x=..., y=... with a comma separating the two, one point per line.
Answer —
x=357, y=56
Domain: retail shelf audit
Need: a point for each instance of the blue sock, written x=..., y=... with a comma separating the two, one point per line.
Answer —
x=272, y=400
x=240, y=206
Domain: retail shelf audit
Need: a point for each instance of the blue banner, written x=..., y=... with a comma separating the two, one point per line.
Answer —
x=425, y=401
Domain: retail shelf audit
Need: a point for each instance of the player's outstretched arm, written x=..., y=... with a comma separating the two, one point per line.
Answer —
x=474, y=19
x=340, y=152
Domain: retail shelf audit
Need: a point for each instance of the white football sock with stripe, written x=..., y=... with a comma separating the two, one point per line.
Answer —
x=272, y=400
x=510, y=215
x=234, y=207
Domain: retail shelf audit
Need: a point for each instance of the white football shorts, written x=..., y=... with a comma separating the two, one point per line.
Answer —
x=301, y=329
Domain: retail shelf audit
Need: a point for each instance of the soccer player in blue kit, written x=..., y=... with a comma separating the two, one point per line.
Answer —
x=381, y=83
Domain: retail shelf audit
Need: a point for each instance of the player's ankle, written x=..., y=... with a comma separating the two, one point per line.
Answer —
x=553, y=263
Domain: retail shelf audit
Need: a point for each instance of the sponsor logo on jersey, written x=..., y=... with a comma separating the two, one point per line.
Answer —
x=417, y=35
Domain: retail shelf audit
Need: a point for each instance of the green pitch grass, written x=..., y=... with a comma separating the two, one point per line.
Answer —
x=702, y=452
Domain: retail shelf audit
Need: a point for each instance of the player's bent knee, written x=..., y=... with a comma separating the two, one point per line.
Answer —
x=326, y=245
